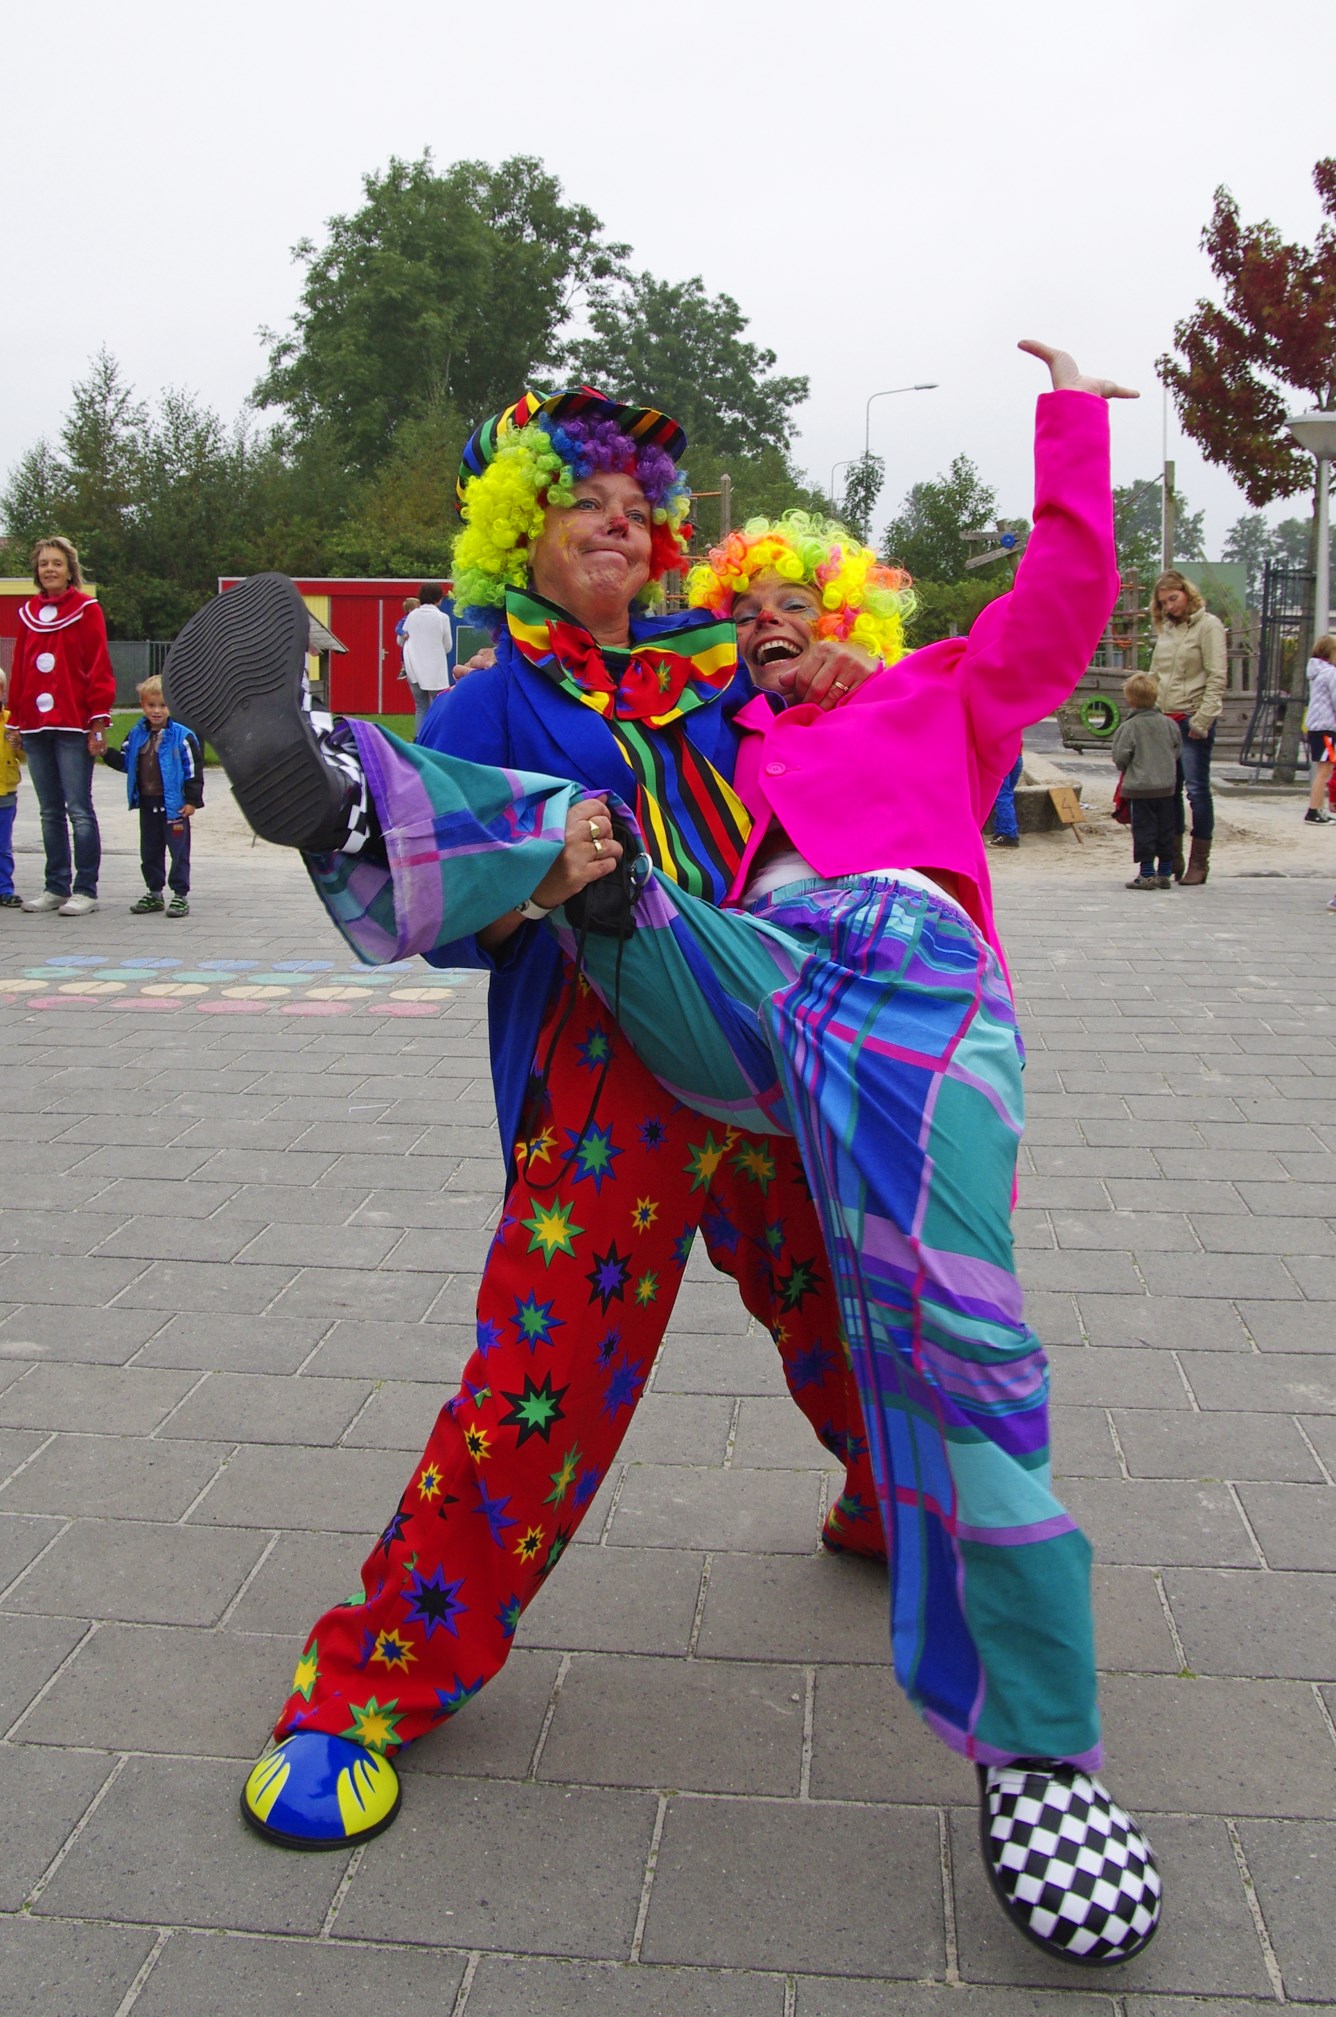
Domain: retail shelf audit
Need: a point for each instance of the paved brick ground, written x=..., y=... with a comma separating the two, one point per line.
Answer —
x=244, y=1205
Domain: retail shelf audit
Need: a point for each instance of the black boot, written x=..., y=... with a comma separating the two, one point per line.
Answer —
x=234, y=676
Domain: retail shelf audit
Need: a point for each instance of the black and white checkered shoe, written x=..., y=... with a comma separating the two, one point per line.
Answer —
x=1070, y=1869
x=236, y=676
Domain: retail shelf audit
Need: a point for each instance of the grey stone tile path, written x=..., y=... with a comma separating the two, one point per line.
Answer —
x=246, y=1195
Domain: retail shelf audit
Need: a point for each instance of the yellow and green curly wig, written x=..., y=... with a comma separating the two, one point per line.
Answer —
x=863, y=601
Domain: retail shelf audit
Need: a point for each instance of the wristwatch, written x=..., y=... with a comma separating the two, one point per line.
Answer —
x=536, y=911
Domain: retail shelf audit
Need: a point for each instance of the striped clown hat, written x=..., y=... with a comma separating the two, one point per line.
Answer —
x=642, y=423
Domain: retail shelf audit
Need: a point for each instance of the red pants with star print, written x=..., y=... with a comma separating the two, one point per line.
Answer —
x=577, y=1292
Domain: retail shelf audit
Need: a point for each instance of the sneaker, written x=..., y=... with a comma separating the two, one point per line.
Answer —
x=77, y=905
x=150, y=900
x=1332, y=904
x=1070, y=1869
x=48, y=900
x=1315, y=816
x=235, y=674
x=178, y=907
x=1164, y=882
x=1143, y=882
x=11, y=902
x=1005, y=840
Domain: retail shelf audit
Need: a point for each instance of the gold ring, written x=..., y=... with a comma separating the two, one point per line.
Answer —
x=598, y=845
x=593, y=829
x=839, y=686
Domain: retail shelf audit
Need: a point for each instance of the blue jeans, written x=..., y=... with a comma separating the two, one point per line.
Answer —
x=7, y=849
x=1196, y=765
x=1004, y=805
x=62, y=776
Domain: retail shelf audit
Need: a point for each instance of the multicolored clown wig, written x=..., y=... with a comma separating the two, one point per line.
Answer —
x=528, y=457
x=863, y=601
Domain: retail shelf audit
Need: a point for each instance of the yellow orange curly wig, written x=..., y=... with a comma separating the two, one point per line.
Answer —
x=863, y=601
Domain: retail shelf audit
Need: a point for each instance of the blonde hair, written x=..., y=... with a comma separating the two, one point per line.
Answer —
x=152, y=685
x=1141, y=690
x=62, y=545
x=1170, y=580
x=1325, y=648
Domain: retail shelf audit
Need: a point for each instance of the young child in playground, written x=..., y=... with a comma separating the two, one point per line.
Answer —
x=1146, y=750
x=10, y=760
x=164, y=779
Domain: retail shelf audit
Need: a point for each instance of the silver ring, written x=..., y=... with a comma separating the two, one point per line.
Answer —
x=839, y=686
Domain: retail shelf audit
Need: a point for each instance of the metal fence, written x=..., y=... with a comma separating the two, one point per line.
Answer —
x=1272, y=740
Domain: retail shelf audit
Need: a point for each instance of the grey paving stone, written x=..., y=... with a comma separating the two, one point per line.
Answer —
x=38, y=1232
x=1313, y=1274
x=265, y=1166
x=1211, y=1746
x=1288, y=1327
x=493, y=1839
x=31, y=1649
x=671, y=1505
x=300, y=1578
x=1296, y=1524
x=1109, y=1376
x=41, y=1331
x=786, y=1607
x=320, y=1246
x=1257, y=1276
x=337, y=1491
x=1082, y=1444
x=1216, y=1446
x=472, y=1211
x=167, y=1847
x=151, y=1164
x=1241, y=1163
x=211, y=1341
x=139, y=1571
x=826, y=1998
x=694, y=1429
x=868, y=1744
x=118, y=1401
x=712, y=1726
x=1205, y=1196
x=1080, y=1269
x=1293, y=1865
x=1206, y=1943
x=433, y=1355
x=1167, y=1521
x=731, y=1888
x=1128, y=1231
x=496, y=1734
x=253, y=1408
x=1210, y=2006
x=632, y=1600
x=204, y=1286
x=1131, y=1631
x=510, y=1988
x=197, y=1198
x=113, y=1478
x=731, y=1364
x=424, y=1174
x=1270, y=1624
x=776, y=1435
x=68, y=1279
x=1321, y=1432
x=22, y=1539
x=162, y=1688
x=348, y=1292
x=202, y=1974
x=1179, y=1323
x=52, y=1969
x=1293, y=1383
x=1053, y=1316
x=43, y=1799
x=181, y=1239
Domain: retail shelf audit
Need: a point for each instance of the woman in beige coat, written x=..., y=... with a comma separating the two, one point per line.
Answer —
x=1190, y=663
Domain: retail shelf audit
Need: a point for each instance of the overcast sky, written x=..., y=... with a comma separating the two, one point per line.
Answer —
x=891, y=193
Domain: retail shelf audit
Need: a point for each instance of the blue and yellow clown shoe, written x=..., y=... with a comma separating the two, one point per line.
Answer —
x=312, y=1791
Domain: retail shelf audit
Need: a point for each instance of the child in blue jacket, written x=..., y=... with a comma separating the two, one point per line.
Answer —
x=164, y=777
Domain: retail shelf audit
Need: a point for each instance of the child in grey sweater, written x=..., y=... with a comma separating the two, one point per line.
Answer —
x=1146, y=749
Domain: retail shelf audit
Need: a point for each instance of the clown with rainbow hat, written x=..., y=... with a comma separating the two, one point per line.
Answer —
x=852, y=1001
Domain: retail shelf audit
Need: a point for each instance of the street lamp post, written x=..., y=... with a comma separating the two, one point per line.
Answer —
x=889, y=393
x=833, y=467
x=1317, y=433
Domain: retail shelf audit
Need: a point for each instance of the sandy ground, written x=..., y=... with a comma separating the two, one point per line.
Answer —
x=1257, y=833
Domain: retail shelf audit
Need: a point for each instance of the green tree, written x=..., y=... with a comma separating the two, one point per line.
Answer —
x=450, y=287
x=677, y=348
x=1138, y=528
x=402, y=520
x=948, y=608
x=927, y=535
x=1251, y=541
x=1242, y=362
x=862, y=488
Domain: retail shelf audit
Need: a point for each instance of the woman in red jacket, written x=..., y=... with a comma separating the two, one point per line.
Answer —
x=61, y=691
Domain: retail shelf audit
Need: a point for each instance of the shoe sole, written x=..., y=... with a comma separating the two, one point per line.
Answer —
x=234, y=677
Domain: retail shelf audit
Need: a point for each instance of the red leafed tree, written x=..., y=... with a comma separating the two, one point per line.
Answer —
x=1241, y=364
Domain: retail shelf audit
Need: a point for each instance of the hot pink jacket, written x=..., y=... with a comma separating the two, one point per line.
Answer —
x=903, y=773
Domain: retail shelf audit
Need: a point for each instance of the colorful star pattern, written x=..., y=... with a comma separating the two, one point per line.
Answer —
x=706, y=1157
x=434, y=1603
x=608, y=1277
x=535, y=1411
x=563, y=1477
x=534, y=1320
x=374, y=1725
x=643, y=1214
x=552, y=1230
x=755, y=1160
x=393, y=1650
x=594, y=1155
x=308, y=1672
